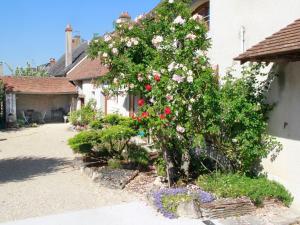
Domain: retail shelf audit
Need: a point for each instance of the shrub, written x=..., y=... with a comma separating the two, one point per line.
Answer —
x=137, y=155
x=96, y=124
x=160, y=166
x=235, y=185
x=84, y=142
x=114, y=164
x=243, y=137
x=85, y=115
x=116, y=138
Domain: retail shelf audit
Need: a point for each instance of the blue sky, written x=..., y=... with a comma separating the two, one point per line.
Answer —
x=33, y=30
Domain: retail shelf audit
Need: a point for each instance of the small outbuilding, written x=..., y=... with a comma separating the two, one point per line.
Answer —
x=38, y=99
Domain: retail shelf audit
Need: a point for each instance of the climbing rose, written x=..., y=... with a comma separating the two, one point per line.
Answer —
x=141, y=102
x=145, y=114
x=168, y=111
x=148, y=87
x=179, y=20
x=198, y=18
x=157, y=77
x=162, y=116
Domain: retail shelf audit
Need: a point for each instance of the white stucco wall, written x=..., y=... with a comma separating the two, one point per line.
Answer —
x=91, y=91
x=261, y=18
x=119, y=104
x=285, y=124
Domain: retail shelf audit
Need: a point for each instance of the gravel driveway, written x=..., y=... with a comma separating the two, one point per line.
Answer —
x=37, y=177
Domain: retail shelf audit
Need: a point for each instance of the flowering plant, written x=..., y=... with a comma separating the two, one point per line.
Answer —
x=162, y=57
x=165, y=202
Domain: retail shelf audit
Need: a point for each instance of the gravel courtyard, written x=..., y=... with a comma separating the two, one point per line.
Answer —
x=37, y=177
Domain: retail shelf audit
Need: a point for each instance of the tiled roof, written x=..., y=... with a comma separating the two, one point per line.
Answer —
x=87, y=69
x=283, y=44
x=60, y=69
x=38, y=85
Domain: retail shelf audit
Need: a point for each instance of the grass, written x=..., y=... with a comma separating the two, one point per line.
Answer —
x=235, y=185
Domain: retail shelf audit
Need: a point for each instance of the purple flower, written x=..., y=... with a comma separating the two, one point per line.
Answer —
x=203, y=197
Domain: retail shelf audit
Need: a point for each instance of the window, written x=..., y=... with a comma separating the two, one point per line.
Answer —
x=203, y=10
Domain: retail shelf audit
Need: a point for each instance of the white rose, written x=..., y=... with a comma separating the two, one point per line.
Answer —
x=107, y=38
x=192, y=100
x=191, y=37
x=171, y=1
x=190, y=73
x=198, y=18
x=115, y=51
x=129, y=44
x=190, y=79
x=105, y=55
x=179, y=20
x=180, y=129
x=116, y=81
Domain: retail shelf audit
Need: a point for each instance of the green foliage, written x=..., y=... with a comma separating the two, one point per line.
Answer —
x=85, y=115
x=84, y=142
x=171, y=202
x=243, y=134
x=116, y=138
x=30, y=71
x=160, y=166
x=96, y=124
x=138, y=155
x=114, y=164
x=163, y=58
x=235, y=185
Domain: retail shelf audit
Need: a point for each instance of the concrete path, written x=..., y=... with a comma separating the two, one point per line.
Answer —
x=136, y=213
x=37, y=177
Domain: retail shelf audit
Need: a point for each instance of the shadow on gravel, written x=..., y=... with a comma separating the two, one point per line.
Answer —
x=24, y=168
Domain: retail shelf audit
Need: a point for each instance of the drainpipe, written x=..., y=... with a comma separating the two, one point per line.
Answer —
x=242, y=35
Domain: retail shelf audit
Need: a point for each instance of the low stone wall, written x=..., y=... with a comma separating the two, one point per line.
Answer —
x=105, y=176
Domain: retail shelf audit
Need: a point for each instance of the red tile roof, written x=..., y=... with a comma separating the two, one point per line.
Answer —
x=87, y=69
x=38, y=85
x=283, y=44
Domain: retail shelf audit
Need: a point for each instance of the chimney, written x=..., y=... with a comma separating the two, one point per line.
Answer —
x=124, y=18
x=76, y=41
x=52, y=61
x=1, y=69
x=68, y=54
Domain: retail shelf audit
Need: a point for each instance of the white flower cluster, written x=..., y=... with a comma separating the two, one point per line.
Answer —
x=179, y=20
x=115, y=51
x=198, y=18
x=107, y=38
x=171, y=1
x=132, y=42
x=157, y=40
x=191, y=36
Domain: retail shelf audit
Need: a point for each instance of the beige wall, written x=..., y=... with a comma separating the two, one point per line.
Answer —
x=43, y=103
x=260, y=18
x=285, y=124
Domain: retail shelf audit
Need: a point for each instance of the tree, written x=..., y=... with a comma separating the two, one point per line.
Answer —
x=31, y=71
x=162, y=57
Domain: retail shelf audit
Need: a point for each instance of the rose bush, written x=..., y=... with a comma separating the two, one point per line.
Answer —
x=162, y=57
